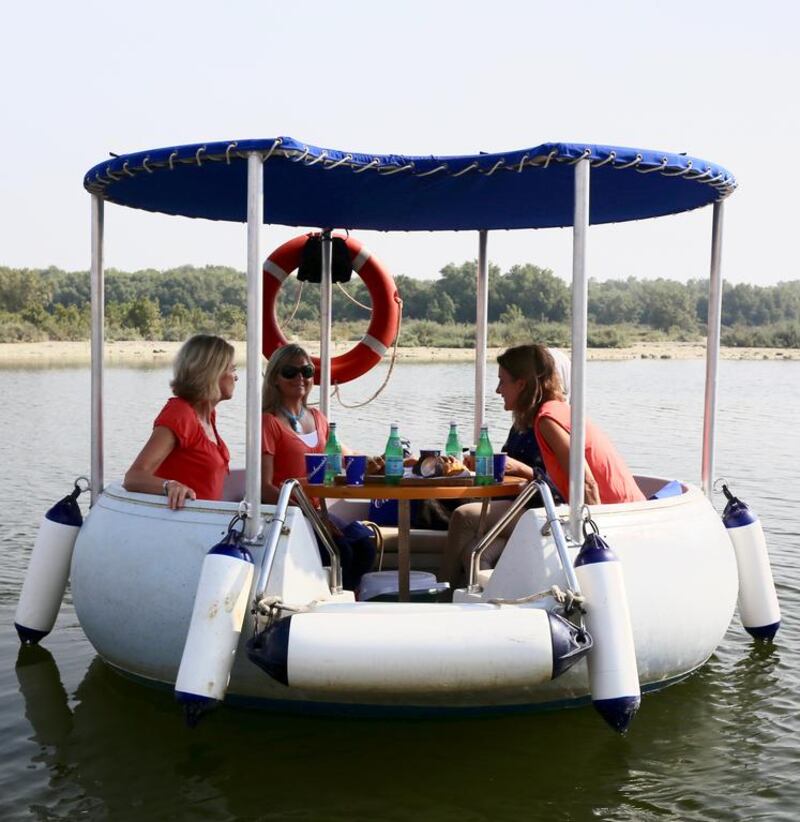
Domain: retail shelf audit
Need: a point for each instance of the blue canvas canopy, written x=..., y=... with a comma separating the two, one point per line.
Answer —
x=310, y=186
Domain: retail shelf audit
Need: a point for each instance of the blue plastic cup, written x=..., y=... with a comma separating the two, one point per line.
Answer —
x=499, y=466
x=315, y=468
x=355, y=467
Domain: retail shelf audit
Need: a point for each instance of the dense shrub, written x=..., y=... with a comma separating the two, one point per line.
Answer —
x=525, y=303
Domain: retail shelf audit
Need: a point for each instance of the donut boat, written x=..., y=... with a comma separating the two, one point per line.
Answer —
x=180, y=600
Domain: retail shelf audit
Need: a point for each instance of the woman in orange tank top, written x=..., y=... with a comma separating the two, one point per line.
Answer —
x=531, y=386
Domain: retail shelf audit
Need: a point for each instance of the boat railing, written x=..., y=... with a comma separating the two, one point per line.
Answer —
x=292, y=492
x=552, y=523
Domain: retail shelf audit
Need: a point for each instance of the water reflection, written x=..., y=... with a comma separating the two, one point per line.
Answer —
x=123, y=752
x=44, y=696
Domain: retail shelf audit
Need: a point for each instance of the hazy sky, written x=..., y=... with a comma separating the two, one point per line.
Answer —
x=715, y=79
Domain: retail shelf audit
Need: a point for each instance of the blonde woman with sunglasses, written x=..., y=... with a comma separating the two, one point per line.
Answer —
x=290, y=429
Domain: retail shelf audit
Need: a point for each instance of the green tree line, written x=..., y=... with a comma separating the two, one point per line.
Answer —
x=524, y=302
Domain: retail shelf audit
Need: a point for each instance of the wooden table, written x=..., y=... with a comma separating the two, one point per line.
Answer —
x=409, y=490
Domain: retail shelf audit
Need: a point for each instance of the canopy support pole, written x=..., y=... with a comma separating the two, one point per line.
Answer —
x=97, y=285
x=325, y=300
x=255, y=310
x=481, y=324
x=712, y=350
x=577, y=440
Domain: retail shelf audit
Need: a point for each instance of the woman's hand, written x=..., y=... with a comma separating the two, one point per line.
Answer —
x=177, y=493
x=375, y=465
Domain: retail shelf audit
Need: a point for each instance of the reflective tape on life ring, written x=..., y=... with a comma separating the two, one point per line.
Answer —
x=383, y=324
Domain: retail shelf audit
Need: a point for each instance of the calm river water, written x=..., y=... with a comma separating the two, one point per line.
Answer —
x=79, y=742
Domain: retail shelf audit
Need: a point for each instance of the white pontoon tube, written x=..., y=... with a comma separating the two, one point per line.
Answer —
x=400, y=648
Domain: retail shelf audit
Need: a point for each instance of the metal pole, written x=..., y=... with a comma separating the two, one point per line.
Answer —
x=481, y=324
x=712, y=351
x=325, y=299
x=97, y=284
x=255, y=219
x=579, y=330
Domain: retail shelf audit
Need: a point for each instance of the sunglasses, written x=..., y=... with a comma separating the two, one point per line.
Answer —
x=289, y=372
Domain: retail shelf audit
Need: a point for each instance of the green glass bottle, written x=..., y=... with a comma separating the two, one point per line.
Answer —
x=484, y=459
x=393, y=457
x=452, y=447
x=333, y=451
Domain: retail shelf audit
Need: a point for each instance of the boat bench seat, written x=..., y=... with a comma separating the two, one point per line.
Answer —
x=427, y=547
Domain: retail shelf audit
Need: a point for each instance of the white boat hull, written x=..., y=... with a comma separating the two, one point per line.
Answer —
x=137, y=564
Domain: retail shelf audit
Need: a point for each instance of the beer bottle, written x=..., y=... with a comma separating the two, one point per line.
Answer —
x=393, y=457
x=484, y=459
x=453, y=447
x=333, y=452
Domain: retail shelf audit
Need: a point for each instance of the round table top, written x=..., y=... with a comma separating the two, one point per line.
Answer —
x=421, y=489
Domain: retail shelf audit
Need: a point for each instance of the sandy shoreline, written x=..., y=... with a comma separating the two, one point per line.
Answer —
x=155, y=352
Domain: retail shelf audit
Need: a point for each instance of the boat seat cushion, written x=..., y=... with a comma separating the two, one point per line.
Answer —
x=426, y=546
x=421, y=540
x=671, y=489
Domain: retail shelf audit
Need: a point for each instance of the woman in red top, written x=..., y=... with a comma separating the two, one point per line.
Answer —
x=289, y=428
x=532, y=384
x=185, y=457
x=529, y=384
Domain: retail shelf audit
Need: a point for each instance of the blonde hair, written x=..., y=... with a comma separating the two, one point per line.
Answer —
x=200, y=362
x=271, y=397
x=534, y=365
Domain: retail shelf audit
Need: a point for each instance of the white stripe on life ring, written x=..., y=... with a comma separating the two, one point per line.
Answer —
x=376, y=345
x=277, y=272
x=360, y=260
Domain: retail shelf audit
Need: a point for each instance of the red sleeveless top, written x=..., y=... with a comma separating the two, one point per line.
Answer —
x=614, y=480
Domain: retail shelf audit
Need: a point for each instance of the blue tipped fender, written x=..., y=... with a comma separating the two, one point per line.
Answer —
x=217, y=617
x=613, y=676
x=758, y=602
x=48, y=569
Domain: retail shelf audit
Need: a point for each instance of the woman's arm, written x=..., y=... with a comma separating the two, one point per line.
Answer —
x=515, y=468
x=269, y=492
x=558, y=440
x=141, y=475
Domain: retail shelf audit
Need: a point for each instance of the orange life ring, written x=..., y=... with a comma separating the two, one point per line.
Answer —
x=383, y=324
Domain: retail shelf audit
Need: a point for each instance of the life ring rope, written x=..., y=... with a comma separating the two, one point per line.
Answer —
x=338, y=394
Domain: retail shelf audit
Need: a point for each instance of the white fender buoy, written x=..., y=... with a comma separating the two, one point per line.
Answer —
x=48, y=569
x=220, y=605
x=758, y=602
x=613, y=677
